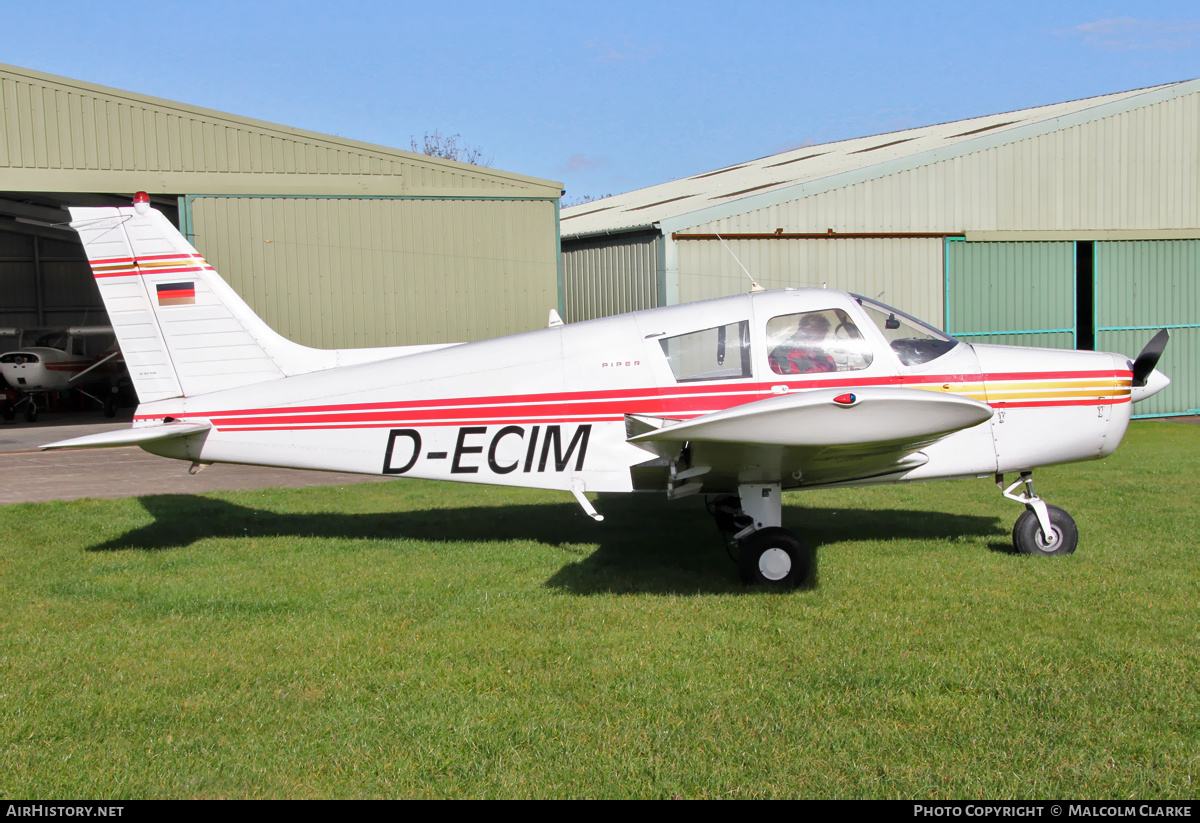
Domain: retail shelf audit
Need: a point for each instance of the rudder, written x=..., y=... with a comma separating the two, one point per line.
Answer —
x=182, y=329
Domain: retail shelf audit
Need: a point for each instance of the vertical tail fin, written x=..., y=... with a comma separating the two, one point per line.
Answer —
x=182, y=329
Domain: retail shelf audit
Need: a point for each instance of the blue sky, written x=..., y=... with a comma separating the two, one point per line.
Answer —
x=610, y=96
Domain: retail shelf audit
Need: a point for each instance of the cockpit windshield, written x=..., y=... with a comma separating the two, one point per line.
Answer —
x=913, y=342
x=52, y=340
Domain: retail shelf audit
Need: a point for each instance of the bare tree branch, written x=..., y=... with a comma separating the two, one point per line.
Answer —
x=449, y=147
x=581, y=199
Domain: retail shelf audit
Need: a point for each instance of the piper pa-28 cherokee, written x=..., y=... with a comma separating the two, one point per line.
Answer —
x=722, y=397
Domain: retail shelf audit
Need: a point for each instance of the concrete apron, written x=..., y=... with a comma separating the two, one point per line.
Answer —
x=30, y=476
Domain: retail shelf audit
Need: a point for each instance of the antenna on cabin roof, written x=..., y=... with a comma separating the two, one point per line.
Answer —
x=754, y=285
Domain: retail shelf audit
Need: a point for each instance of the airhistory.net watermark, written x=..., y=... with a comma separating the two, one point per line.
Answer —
x=64, y=810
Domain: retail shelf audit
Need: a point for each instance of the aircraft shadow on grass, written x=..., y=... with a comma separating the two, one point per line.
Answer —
x=644, y=545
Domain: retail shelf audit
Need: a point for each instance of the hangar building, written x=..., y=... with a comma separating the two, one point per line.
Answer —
x=1074, y=225
x=335, y=243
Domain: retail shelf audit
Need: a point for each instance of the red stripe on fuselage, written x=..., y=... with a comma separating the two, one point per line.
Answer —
x=1053, y=375
x=536, y=421
x=750, y=390
x=645, y=404
x=723, y=390
x=678, y=402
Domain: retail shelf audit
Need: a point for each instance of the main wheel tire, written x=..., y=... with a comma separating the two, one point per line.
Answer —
x=31, y=413
x=1028, y=537
x=774, y=557
x=6, y=410
x=109, y=407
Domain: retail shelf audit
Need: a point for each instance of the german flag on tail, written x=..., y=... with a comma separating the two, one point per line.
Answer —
x=176, y=294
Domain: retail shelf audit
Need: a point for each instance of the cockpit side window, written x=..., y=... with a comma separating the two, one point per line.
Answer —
x=913, y=342
x=719, y=353
x=816, y=341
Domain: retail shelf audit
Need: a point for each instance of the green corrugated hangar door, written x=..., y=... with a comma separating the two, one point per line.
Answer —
x=610, y=274
x=347, y=272
x=1017, y=294
x=1143, y=286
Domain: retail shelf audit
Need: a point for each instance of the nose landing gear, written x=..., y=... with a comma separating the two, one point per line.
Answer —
x=1040, y=529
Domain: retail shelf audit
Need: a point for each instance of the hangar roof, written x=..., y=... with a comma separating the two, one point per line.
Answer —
x=779, y=178
x=61, y=135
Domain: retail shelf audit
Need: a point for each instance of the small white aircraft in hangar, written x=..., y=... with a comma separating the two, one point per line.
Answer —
x=742, y=397
x=57, y=361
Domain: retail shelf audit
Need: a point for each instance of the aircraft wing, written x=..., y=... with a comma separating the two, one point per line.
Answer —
x=808, y=437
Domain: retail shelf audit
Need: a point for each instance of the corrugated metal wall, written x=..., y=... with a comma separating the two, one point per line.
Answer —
x=59, y=134
x=1136, y=170
x=904, y=272
x=351, y=272
x=53, y=127
x=1143, y=286
x=1016, y=294
x=610, y=275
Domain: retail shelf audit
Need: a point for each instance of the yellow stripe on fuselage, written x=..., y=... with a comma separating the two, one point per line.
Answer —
x=1054, y=394
x=1060, y=384
x=1008, y=390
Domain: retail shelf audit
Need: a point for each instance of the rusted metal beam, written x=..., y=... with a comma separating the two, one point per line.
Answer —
x=826, y=235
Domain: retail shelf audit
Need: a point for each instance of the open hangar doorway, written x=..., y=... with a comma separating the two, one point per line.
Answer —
x=47, y=289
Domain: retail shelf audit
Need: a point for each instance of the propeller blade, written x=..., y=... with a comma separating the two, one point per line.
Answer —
x=1148, y=359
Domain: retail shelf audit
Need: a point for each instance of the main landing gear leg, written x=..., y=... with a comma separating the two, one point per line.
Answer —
x=30, y=405
x=1041, y=528
x=767, y=554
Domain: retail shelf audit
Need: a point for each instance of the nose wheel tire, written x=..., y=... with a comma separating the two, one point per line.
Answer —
x=1028, y=537
x=774, y=557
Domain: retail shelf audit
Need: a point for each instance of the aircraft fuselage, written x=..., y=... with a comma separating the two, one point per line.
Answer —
x=548, y=408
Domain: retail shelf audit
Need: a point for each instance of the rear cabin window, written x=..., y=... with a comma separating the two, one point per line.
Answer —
x=815, y=342
x=719, y=353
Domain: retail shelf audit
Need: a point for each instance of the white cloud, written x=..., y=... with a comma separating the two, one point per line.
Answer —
x=581, y=162
x=1131, y=34
x=626, y=52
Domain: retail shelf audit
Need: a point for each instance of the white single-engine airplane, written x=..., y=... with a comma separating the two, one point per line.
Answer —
x=743, y=397
x=56, y=361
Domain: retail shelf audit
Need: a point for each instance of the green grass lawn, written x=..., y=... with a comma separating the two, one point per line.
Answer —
x=415, y=639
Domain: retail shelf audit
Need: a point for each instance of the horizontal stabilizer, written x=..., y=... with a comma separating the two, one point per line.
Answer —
x=129, y=437
x=831, y=417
